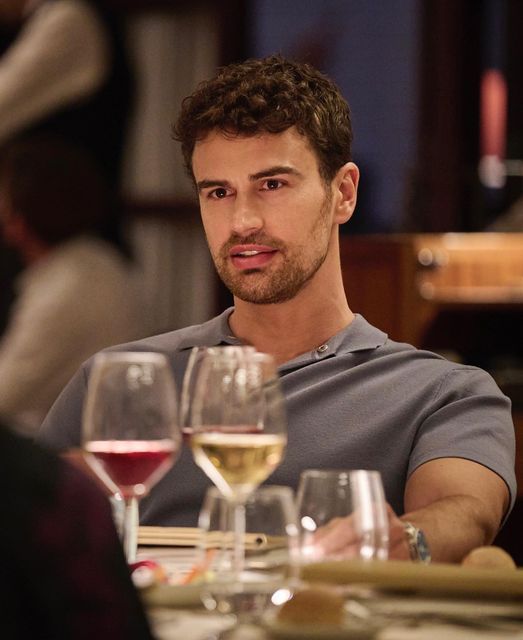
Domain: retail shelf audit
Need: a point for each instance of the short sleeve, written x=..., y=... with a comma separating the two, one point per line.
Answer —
x=469, y=418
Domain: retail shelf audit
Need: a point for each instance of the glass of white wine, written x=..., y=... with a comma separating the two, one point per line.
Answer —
x=239, y=427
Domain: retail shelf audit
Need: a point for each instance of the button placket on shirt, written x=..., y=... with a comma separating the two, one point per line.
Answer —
x=321, y=350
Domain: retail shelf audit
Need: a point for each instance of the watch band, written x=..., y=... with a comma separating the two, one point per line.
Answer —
x=418, y=546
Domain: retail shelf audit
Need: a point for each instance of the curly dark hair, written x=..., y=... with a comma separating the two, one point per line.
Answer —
x=270, y=95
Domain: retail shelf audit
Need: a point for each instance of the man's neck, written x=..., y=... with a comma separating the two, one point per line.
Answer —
x=288, y=329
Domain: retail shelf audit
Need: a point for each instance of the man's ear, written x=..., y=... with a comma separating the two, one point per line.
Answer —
x=346, y=192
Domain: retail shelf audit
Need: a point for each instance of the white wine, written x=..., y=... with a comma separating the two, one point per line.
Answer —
x=238, y=462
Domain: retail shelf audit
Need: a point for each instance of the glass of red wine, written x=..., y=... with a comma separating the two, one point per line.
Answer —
x=130, y=428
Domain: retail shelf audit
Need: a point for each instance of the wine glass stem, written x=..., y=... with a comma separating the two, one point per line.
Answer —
x=130, y=529
x=238, y=513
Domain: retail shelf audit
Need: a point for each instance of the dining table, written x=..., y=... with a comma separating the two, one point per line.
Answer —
x=386, y=600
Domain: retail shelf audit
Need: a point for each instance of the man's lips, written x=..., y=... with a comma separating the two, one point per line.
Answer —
x=251, y=256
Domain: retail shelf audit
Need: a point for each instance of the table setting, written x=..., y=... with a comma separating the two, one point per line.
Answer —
x=264, y=562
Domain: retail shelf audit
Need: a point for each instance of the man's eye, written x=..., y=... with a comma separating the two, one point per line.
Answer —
x=273, y=184
x=218, y=193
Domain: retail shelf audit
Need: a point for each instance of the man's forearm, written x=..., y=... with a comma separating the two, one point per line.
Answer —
x=453, y=526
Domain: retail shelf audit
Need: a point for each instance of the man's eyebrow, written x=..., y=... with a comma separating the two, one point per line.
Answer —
x=206, y=184
x=264, y=173
x=274, y=171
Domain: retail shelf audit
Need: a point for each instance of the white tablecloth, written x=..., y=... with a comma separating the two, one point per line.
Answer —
x=400, y=617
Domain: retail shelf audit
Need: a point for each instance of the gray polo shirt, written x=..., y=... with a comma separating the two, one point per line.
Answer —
x=360, y=401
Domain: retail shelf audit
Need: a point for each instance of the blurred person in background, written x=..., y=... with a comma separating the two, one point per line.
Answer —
x=64, y=70
x=77, y=293
x=64, y=574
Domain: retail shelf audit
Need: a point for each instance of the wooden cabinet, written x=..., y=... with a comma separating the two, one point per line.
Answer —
x=458, y=293
x=404, y=283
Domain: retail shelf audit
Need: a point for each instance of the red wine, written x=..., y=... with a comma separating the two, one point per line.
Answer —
x=133, y=465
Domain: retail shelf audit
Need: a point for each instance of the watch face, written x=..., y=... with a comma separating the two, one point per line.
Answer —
x=419, y=548
x=422, y=547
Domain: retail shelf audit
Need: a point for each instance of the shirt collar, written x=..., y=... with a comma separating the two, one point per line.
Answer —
x=212, y=333
x=359, y=335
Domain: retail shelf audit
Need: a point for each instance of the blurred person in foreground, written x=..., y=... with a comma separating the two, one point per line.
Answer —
x=268, y=145
x=77, y=293
x=64, y=574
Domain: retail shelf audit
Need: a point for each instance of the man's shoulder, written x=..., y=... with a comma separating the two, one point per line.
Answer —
x=405, y=356
x=168, y=342
x=209, y=333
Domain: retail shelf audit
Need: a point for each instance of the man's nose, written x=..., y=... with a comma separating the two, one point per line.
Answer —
x=247, y=217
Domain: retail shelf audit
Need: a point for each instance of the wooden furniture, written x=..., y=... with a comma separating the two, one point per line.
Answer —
x=403, y=282
x=457, y=293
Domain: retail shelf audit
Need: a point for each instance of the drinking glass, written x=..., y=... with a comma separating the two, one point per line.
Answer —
x=190, y=376
x=342, y=514
x=271, y=553
x=130, y=432
x=238, y=426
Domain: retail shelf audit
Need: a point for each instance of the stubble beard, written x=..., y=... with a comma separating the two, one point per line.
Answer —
x=281, y=284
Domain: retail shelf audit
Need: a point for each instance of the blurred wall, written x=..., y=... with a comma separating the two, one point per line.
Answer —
x=172, y=51
x=371, y=49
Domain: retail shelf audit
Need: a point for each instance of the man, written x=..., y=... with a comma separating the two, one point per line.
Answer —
x=268, y=145
x=51, y=199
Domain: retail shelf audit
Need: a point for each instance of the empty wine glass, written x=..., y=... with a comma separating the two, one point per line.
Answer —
x=130, y=431
x=342, y=514
x=268, y=576
x=238, y=426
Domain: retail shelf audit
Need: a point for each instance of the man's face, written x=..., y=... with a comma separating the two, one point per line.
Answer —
x=266, y=211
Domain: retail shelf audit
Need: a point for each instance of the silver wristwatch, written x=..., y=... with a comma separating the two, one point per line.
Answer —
x=418, y=547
